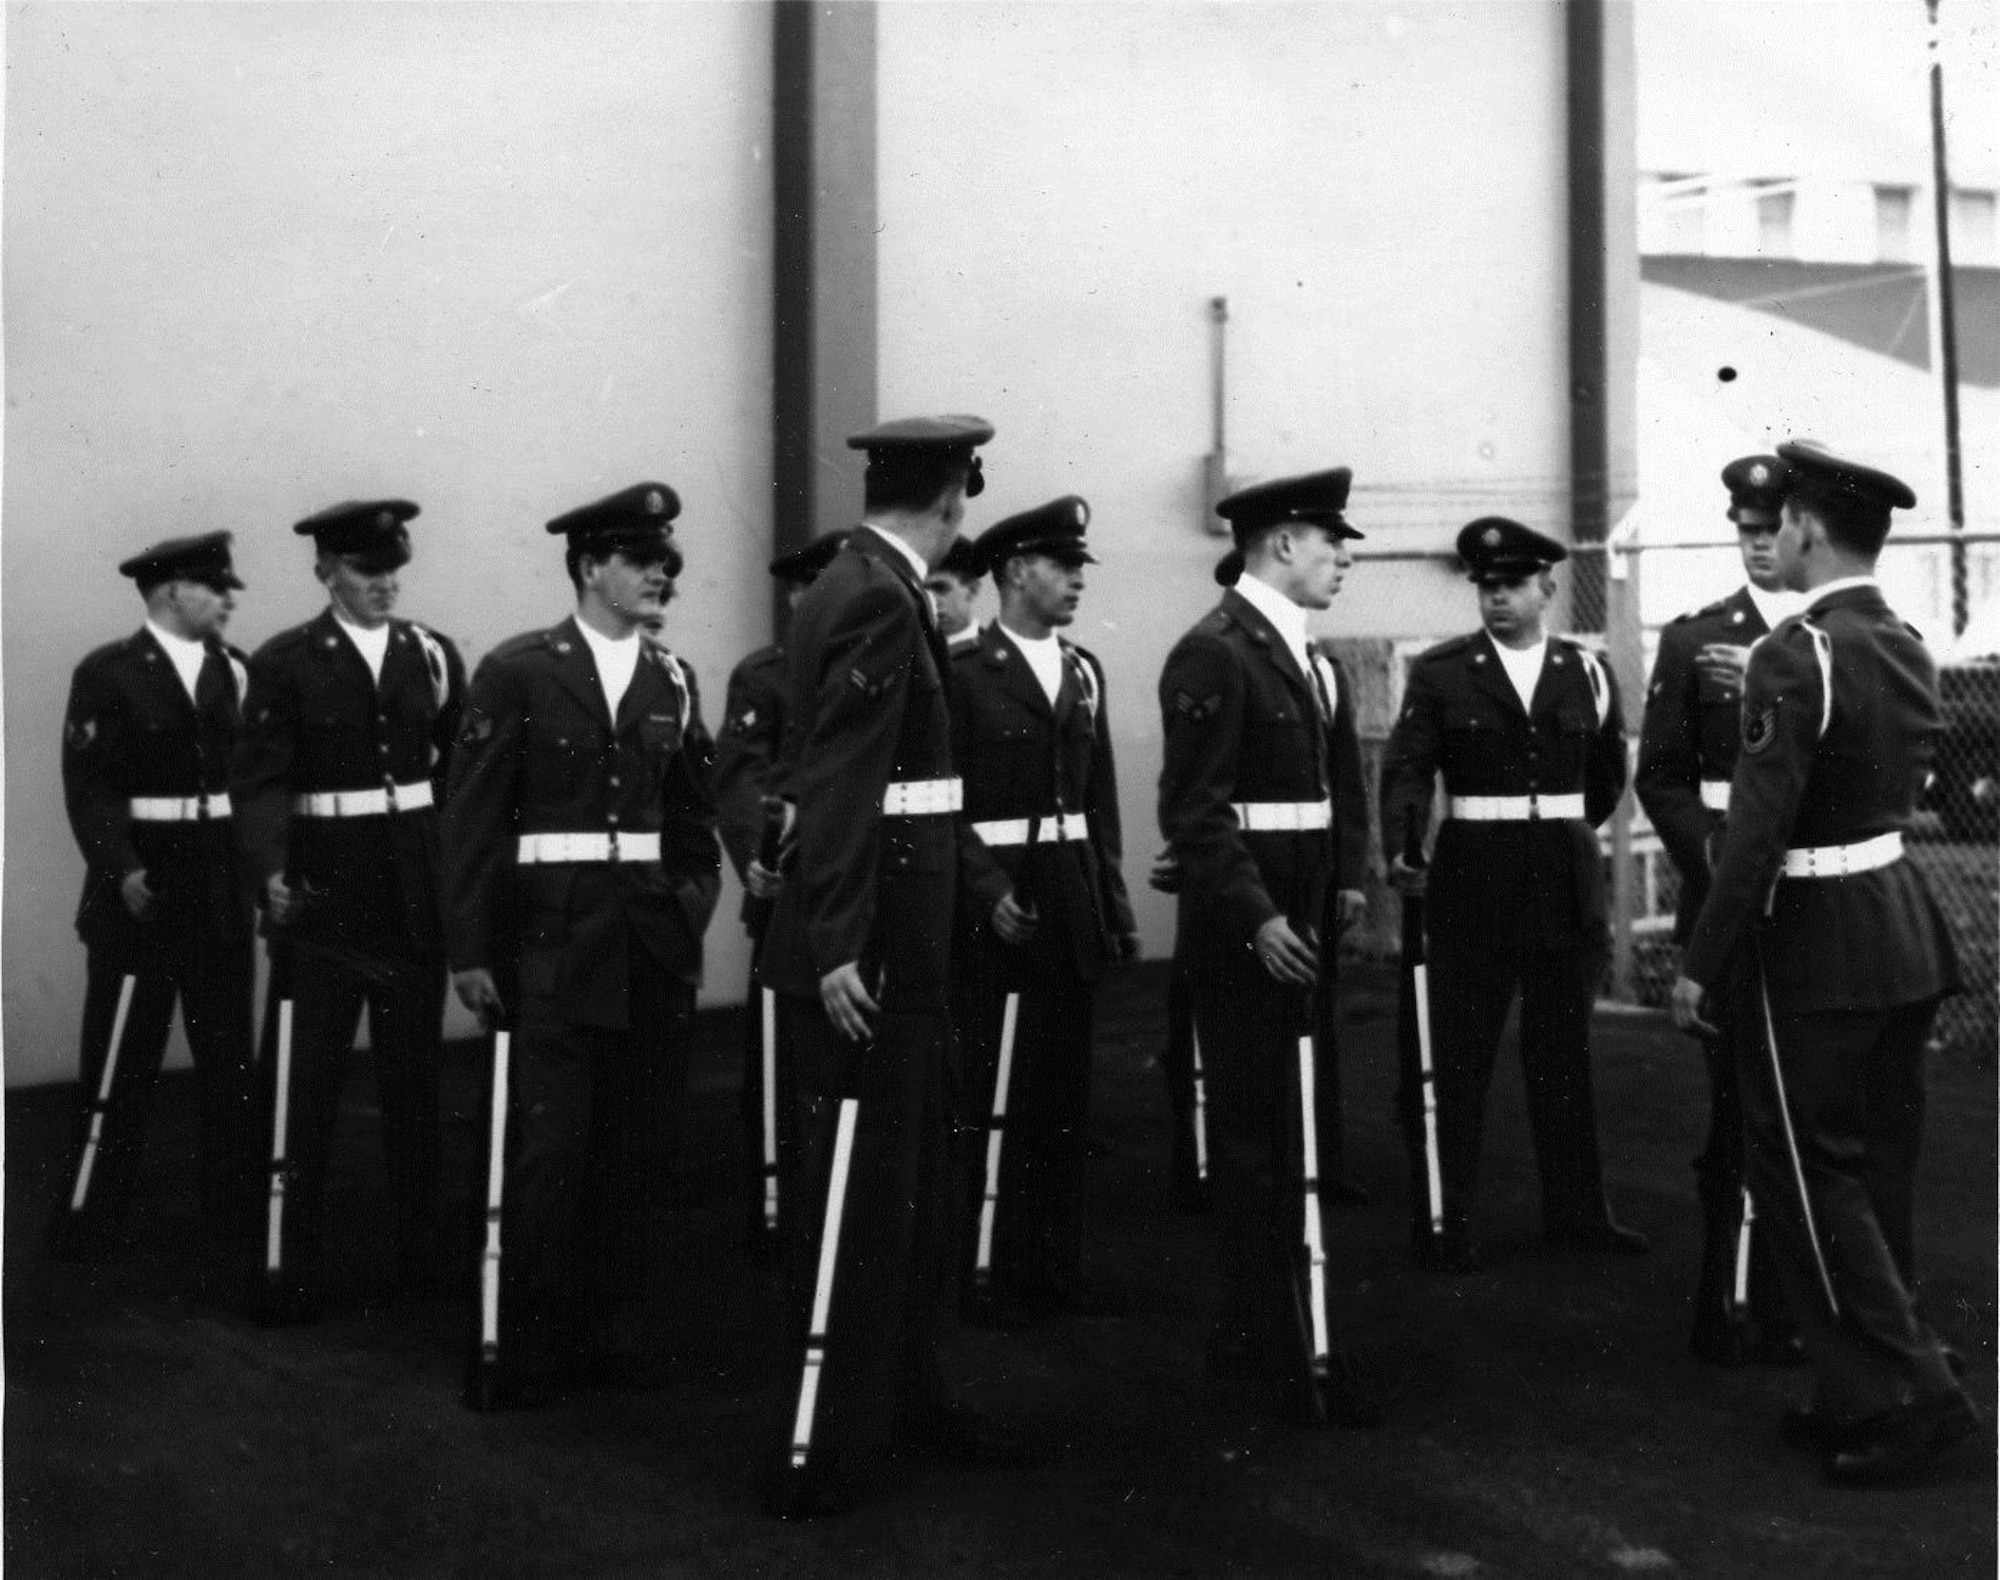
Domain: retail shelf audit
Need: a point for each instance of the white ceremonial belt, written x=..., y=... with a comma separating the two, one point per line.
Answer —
x=1715, y=794
x=1053, y=829
x=1516, y=808
x=1282, y=817
x=542, y=849
x=178, y=808
x=1837, y=861
x=922, y=797
x=362, y=803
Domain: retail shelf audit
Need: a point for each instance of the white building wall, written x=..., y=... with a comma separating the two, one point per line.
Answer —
x=1378, y=190
x=500, y=259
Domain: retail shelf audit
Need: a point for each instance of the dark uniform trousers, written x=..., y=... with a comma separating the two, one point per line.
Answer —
x=1246, y=727
x=1690, y=740
x=597, y=962
x=132, y=731
x=746, y=751
x=368, y=934
x=1025, y=759
x=1840, y=721
x=1513, y=906
x=874, y=885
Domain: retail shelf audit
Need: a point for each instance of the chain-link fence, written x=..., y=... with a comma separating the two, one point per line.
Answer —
x=1616, y=598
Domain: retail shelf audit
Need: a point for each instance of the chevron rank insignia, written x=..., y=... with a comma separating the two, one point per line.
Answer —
x=81, y=733
x=867, y=687
x=1194, y=709
x=478, y=729
x=1759, y=728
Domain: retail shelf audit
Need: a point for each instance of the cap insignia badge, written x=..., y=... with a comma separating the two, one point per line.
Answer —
x=656, y=502
x=1490, y=537
x=1760, y=474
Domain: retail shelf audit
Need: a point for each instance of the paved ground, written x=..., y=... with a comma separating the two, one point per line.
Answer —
x=1545, y=1420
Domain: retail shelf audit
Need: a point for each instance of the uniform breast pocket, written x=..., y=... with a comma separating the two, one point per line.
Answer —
x=556, y=756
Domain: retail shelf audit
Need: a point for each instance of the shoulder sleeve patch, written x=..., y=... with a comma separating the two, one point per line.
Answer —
x=1760, y=728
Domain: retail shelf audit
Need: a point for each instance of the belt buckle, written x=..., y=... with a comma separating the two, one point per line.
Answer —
x=612, y=847
x=1534, y=807
x=201, y=808
x=389, y=795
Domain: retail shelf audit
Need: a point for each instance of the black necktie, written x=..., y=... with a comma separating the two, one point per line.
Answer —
x=212, y=685
x=1320, y=691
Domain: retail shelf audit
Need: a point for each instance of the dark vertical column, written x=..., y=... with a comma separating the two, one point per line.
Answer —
x=823, y=263
x=1589, y=431
x=1947, y=339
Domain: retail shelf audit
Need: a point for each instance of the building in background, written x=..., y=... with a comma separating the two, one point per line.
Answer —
x=503, y=259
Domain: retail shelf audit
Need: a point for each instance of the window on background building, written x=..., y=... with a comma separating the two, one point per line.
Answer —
x=1895, y=209
x=1975, y=229
x=1774, y=223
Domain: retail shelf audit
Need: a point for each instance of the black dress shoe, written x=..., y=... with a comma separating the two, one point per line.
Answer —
x=282, y=1306
x=1720, y=1338
x=964, y=1436
x=1448, y=1253
x=1771, y=1348
x=625, y=1371
x=1807, y=1429
x=806, y=1492
x=1900, y=1445
x=489, y=1388
x=1233, y=1357
x=1079, y=1298
x=1001, y=1312
x=1348, y=1403
x=69, y=1241
x=1612, y=1239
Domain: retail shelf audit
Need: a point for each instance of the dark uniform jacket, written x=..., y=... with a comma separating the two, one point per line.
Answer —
x=1689, y=738
x=1022, y=758
x=317, y=720
x=865, y=708
x=1462, y=718
x=746, y=756
x=1243, y=724
x=540, y=754
x=1840, y=718
x=130, y=731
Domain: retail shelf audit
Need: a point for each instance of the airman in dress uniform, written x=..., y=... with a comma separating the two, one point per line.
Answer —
x=1249, y=711
x=1687, y=753
x=581, y=872
x=147, y=738
x=1180, y=1063
x=746, y=753
x=954, y=587
x=1840, y=718
x=347, y=731
x=1044, y=912
x=1525, y=730
x=860, y=942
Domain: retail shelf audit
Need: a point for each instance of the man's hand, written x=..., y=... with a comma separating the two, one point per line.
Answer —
x=1014, y=922
x=137, y=896
x=1687, y=1001
x=478, y=992
x=1166, y=873
x=761, y=881
x=1350, y=909
x=1288, y=957
x=1724, y=664
x=847, y=1001
x=281, y=901
x=1406, y=879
